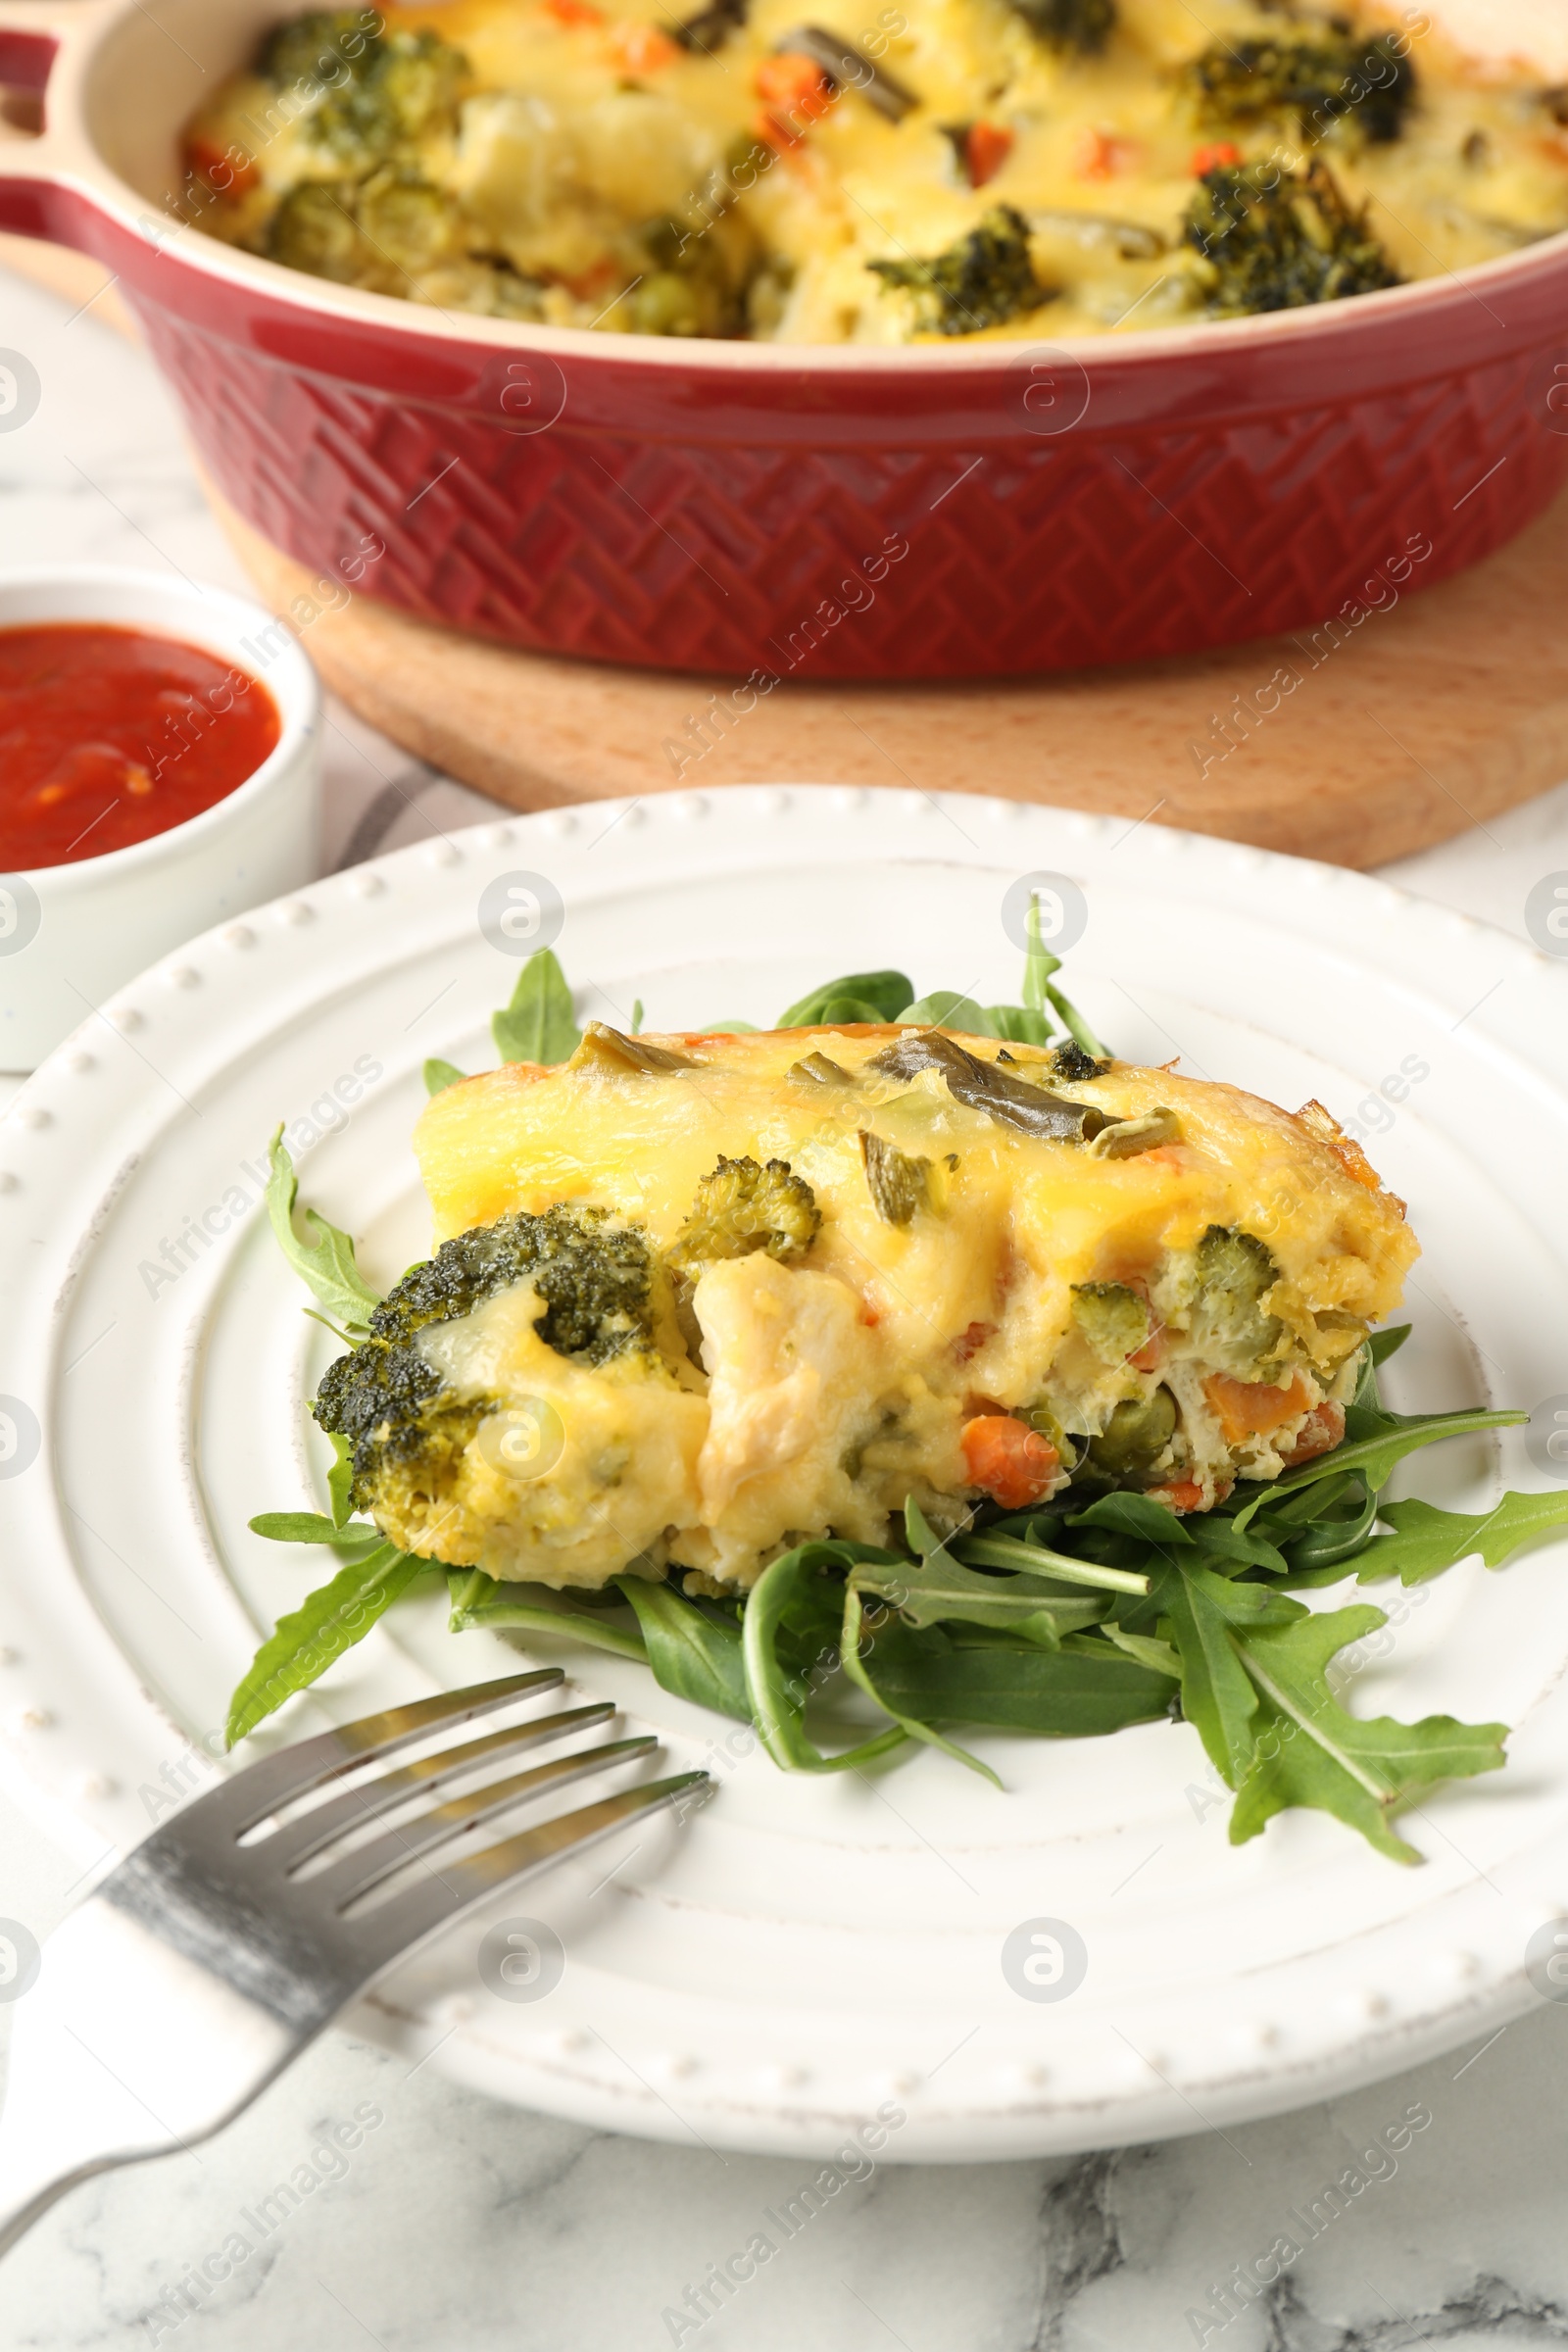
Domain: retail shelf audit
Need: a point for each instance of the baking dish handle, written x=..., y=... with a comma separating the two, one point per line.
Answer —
x=37, y=162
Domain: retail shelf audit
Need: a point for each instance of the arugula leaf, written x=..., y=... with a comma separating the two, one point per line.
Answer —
x=310, y=1527
x=1135, y=1515
x=1158, y=1656
x=1217, y=1698
x=933, y=1587
x=1231, y=1548
x=1283, y=1516
x=484, y=1602
x=1079, y=1692
x=1426, y=1541
x=792, y=1604
x=879, y=996
x=439, y=1075
x=1038, y=991
x=327, y=1266
x=1322, y=1553
x=312, y=1637
x=992, y=1550
x=893, y=1635
x=1384, y=1343
x=1019, y=1024
x=943, y=1008
x=538, y=1026
x=1311, y=1752
x=696, y=1655
x=1375, y=1443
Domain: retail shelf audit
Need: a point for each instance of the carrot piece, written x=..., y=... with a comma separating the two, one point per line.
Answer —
x=1185, y=1494
x=985, y=151
x=574, y=11
x=228, y=170
x=1209, y=159
x=1250, y=1409
x=640, y=48
x=1101, y=153
x=1320, y=1432
x=1012, y=1462
x=795, y=92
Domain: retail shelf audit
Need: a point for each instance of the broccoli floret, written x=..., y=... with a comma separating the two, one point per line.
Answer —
x=378, y=232
x=405, y=1427
x=593, y=1275
x=383, y=90
x=696, y=279
x=1236, y=1271
x=410, y=225
x=1073, y=1065
x=1084, y=26
x=741, y=1208
x=1320, y=78
x=1271, y=241
x=1113, y=1319
x=313, y=228
x=983, y=280
x=316, y=47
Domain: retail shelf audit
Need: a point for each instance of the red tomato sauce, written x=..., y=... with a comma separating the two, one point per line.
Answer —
x=109, y=736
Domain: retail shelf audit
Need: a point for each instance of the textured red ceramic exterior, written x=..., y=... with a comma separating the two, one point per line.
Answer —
x=906, y=514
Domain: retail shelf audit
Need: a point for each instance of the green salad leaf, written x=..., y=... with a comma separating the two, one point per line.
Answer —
x=1039, y=989
x=695, y=1652
x=1422, y=1540
x=439, y=1074
x=483, y=1601
x=943, y=1010
x=933, y=1587
x=1018, y=1024
x=538, y=1024
x=989, y=1551
x=864, y=1653
x=1384, y=1343
x=1375, y=1444
x=790, y=1639
x=326, y=1266
x=1218, y=1700
x=1080, y=1691
x=858, y=996
x=310, y=1527
x=312, y=1637
x=1310, y=1752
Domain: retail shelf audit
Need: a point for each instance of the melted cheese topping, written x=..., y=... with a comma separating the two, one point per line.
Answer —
x=585, y=126
x=1035, y=1277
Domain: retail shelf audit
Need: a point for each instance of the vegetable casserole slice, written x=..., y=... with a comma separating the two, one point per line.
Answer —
x=697, y=1297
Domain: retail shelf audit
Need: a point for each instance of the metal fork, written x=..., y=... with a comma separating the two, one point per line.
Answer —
x=202, y=1965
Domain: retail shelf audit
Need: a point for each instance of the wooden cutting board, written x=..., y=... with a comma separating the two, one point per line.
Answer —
x=1427, y=718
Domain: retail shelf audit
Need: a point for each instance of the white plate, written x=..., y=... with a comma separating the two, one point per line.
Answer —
x=804, y=1950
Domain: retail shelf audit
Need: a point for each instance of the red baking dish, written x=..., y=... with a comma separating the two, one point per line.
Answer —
x=829, y=512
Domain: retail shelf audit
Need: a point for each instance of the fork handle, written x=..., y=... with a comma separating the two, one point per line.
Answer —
x=121, y=2050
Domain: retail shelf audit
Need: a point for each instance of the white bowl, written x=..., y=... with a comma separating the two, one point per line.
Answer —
x=71, y=934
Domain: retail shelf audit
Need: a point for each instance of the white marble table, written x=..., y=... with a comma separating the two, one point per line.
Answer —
x=461, y=2227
